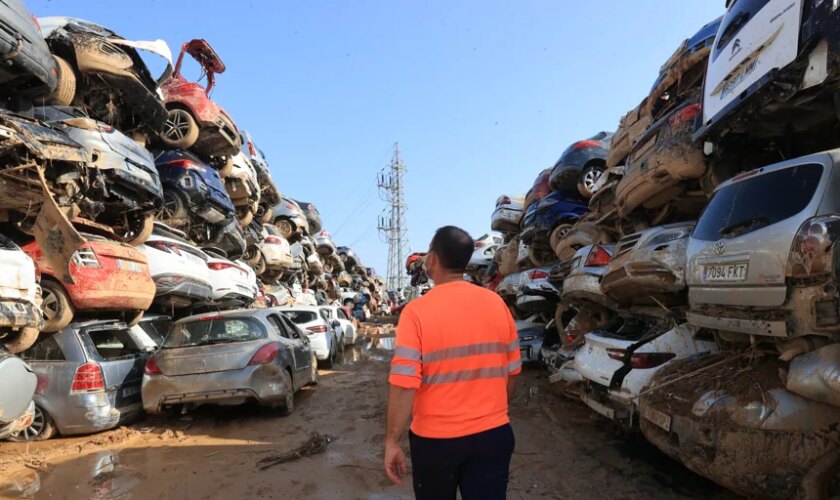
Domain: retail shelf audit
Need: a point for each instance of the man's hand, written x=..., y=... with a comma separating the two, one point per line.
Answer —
x=394, y=462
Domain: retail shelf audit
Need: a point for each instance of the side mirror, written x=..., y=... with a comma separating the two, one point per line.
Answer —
x=336, y=324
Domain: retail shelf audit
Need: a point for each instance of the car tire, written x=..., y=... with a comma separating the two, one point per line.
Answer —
x=41, y=428
x=180, y=130
x=588, y=177
x=328, y=267
x=227, y=167
x=174, y=210
x=246, y=219
x=254, y=259
x=287, y=406
x=265, y=218
x=133, y=317
x=260, y=267
x=142, y=230
x=340, y=344
x=58, y=311
x=65, y=85
x=314, y=374
x=285, y=227
x=535, y=257
x=558, y=233
x=330, y=361
x=23, y=340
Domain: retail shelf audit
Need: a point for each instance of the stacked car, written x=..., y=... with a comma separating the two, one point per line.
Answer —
x=680, y=279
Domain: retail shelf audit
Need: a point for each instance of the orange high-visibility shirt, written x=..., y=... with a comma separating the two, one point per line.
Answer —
x=456, y=345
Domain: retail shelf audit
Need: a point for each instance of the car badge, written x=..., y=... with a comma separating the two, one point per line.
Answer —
x=720, y=247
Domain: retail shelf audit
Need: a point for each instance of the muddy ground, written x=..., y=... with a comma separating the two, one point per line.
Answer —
x=562, y=450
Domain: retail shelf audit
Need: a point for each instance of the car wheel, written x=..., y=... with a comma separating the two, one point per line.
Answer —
x=22, y=341
x=41, y=428
x=252, y=255
x=284, y=226
x=314, y=375
x=330, y=361
x=265, y=218
x=58, y=312
x=246, y=219
x=141, y=229
x=288, y=404
x=259, y=268
x=535, y=256
x=588, y=178
x=180, y=129
x=65, y=85
x=340, y=347
x=173, y=209
x=133, y=317
x=328, y=267
x=558, y=233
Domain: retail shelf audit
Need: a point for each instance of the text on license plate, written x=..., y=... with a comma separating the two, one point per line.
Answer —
x=129, y=391
x=662, y=420
x=738, y=78
x=725, y=272
x=127, y=265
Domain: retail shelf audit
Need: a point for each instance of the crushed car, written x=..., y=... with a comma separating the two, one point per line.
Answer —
x=21, y=318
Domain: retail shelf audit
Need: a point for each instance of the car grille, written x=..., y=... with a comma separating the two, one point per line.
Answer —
x=628, y=243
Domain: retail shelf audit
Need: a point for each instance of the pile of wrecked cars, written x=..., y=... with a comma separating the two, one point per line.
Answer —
x=132, y=205
x=681, y=273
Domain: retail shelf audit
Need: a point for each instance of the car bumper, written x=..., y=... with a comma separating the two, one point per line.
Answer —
x=506, y=220
x=114, y=299
x=262, y=383
x=96, y=412
x=20, y=314
x=320, y=346
x=14, y=427
x=636, y=281
x=183, y=287
x=584, y=288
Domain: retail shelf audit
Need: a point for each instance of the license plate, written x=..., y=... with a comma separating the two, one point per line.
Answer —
x=725, y=272
x=129, y=391
x=127, y=265
x=658, y=418
x=738, y=78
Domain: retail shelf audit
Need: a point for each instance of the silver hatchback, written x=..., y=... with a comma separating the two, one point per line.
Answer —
x=762, y=258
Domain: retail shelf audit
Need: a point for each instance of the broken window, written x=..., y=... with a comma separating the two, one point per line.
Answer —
x=112, y=343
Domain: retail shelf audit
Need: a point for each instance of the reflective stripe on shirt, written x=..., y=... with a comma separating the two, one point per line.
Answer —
x=465, y=351
x=407, y=353
x=403, y=370
x=466, y=375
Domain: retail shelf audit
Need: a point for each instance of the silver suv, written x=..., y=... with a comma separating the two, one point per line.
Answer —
x=762, y=259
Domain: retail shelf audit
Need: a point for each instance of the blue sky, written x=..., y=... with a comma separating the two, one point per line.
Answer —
x=481, y=95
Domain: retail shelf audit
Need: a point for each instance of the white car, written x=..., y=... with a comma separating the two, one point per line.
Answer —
x=178, y=269
x=508, y=214
x=335, y=312
x=488, y=239
x=21, y=318
x=481, y=259
x=324, y=243
x=243, y=188
x=321, y=331
x=613, y=377
x=275, y=250
x=234, y=282
x=303, y=297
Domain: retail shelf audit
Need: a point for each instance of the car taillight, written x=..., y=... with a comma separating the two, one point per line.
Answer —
x=538, y=274
x=317, y=329
x=210, y=317
x=152, y=368
x=85, y=257
x=266, y=354
x=642, y=359
x=597, y=257
x=479, y=244
x=35, y=20
x=688, y=113
x=218, y=266
x=504, y=200
x=187, y=165
x=252, y=149
x=586, y=144
x=88, y=378
x=291, y=207
x=158, y=245
x=810, y=253
x=273, y=240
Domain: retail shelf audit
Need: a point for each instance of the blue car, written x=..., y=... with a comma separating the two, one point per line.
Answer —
x=556, y=212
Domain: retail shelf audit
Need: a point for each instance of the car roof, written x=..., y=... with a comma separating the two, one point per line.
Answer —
x=235, y=313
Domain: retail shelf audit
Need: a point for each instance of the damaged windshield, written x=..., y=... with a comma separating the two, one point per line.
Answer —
x=219, y=330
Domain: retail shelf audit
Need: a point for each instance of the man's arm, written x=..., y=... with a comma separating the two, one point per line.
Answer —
x=400, y=404
x=511, y=386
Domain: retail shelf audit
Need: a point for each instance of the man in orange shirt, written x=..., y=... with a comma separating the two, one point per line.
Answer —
x=454, y=366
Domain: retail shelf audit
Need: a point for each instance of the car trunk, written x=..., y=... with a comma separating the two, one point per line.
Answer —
x=739, y=251
x=207, y=358
x=122, y=358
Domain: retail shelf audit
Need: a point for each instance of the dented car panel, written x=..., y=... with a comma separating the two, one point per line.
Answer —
x=19, y=292
x=648, y=268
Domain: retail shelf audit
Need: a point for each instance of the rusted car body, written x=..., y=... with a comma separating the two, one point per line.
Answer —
x=648, y=268
x=666, y=155
x=20, y=310
x=114, y=85
x=194, y=120
x=109, y=279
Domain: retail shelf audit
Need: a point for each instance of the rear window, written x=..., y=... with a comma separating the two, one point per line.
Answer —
x=758, y=202
x=45, y=349
x=156, y=329
x=214, y=331
x=110, y=343
x=736, y=18
x=301, y=317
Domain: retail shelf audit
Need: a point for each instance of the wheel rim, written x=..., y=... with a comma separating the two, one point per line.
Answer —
x=170, y=207
x=590, y=178
x=49, y=304
x=564, y=230
x=284, y=227
x=177, y=125
x=36, y=427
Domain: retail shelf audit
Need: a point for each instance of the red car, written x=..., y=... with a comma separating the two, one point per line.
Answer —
x=109, y=278
x=194, y=121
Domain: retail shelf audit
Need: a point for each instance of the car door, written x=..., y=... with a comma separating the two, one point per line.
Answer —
x=347, y=323
x=302, y=361
x=338, y=332
x=305, y=347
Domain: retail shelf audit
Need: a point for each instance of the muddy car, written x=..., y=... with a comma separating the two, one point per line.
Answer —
x=20, y=310
x=89, y=377
x=537, y=295
x=194, y=121
x=617, y=365
x=103, y=73
x=243, y=188
x=586, y=231
x=274, y=253
x=581, y=164
x=584, y=306
x=30, y=69
x=665, y=160
x=313, y=218
x=761, y=258
x=109, y=279
x=19, y=383
x=480, y=260
x=289, y=219
x=735, y=423
x=124, y=190
x=771, y=81
x=324, y=243
x=507, y=216
x=632, y=125
x=352, y=261
x=539, y=190
x=179, y=269
x=648, y=268
x=269, y=194
x=547, y=221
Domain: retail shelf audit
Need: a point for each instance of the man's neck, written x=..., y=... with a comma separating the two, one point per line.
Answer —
x=449, y=278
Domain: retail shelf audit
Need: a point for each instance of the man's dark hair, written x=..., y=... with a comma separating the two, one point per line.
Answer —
x=453, y=247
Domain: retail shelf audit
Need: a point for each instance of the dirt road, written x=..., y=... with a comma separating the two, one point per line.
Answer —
x=562, y=450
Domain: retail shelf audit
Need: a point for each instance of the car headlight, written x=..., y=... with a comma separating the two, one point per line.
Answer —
x=668, y=236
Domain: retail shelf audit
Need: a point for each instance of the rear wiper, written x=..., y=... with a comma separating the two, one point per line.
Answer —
x=217, y=341
x=743, y=224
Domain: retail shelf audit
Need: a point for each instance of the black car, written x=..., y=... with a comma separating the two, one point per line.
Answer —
x=312, y=216
x=28, y=68
x=581, y=165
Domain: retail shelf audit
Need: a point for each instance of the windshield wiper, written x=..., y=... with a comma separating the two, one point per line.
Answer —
x=728, y=230
x=216, y=341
